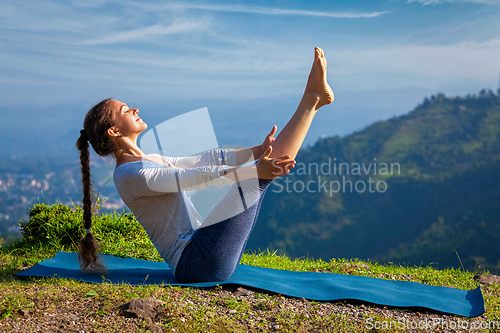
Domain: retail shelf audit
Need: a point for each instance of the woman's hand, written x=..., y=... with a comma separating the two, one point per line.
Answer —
x=268, y=141
x=270, y=168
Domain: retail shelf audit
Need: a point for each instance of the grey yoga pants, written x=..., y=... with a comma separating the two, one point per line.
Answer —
x=216, y=250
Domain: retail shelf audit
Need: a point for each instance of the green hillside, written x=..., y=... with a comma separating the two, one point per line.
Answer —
x=419, y=188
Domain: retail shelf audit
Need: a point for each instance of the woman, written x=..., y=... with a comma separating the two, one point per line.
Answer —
x=154, y=187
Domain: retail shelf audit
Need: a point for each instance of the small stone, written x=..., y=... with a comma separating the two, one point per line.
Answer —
x=232, y=311
x=241, y=292
x=24, y=312
x=142, y=308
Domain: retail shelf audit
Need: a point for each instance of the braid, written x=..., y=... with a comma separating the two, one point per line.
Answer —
x=97, y=121
x=86, y=181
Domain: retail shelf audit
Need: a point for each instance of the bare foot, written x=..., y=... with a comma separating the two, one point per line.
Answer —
x=317, y=87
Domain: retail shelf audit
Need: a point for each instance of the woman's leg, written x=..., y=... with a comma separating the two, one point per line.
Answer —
x=215, y=249
x=316, y=94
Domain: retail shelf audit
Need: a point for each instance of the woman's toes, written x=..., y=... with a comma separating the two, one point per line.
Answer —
x=319, y=51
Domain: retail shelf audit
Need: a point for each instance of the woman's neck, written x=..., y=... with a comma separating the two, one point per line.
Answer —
x=128, y=148
x=128, y=154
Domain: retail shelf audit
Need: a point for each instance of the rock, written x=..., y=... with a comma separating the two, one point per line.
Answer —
x=487, y=279
x=24, y=312
x=241, y=292
x=142, y=308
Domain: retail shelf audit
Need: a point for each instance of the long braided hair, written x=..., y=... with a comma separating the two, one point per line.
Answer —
x=97, y=121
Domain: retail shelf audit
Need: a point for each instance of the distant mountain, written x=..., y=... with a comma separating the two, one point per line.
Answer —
x=419, y=188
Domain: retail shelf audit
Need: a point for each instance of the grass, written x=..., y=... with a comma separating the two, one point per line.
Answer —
x=57, y=227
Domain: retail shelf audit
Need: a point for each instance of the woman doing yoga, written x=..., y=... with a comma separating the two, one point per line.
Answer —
x=155, y=187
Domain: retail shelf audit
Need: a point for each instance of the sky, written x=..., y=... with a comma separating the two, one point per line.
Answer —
x=246, y=61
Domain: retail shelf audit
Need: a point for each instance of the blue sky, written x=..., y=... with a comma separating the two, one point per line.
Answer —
x=247, y=61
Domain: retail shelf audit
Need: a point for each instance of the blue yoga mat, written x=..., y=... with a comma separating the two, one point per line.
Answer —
x=310, y=285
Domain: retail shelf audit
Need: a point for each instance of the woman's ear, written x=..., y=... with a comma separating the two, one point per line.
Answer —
x=113, y=132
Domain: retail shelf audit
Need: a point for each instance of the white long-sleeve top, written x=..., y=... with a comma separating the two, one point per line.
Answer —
x=156, y=195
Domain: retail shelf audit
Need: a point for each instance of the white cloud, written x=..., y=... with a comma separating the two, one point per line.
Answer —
x=154, y=30
x=422, y=65
x=272, y=11
x=215, y=58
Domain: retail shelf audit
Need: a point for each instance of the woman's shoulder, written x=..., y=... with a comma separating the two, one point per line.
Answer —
x=150, y=158
x=135, y=171
x=160, y=159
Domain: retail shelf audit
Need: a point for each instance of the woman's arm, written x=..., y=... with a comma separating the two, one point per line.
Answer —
x=216, y=156
x=245, y=155
x=265, y=168
x=150, y=180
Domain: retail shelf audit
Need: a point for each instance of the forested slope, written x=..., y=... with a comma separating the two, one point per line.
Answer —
x=417, y=188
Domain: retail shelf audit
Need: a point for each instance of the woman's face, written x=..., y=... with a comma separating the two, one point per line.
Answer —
x=127, y=120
